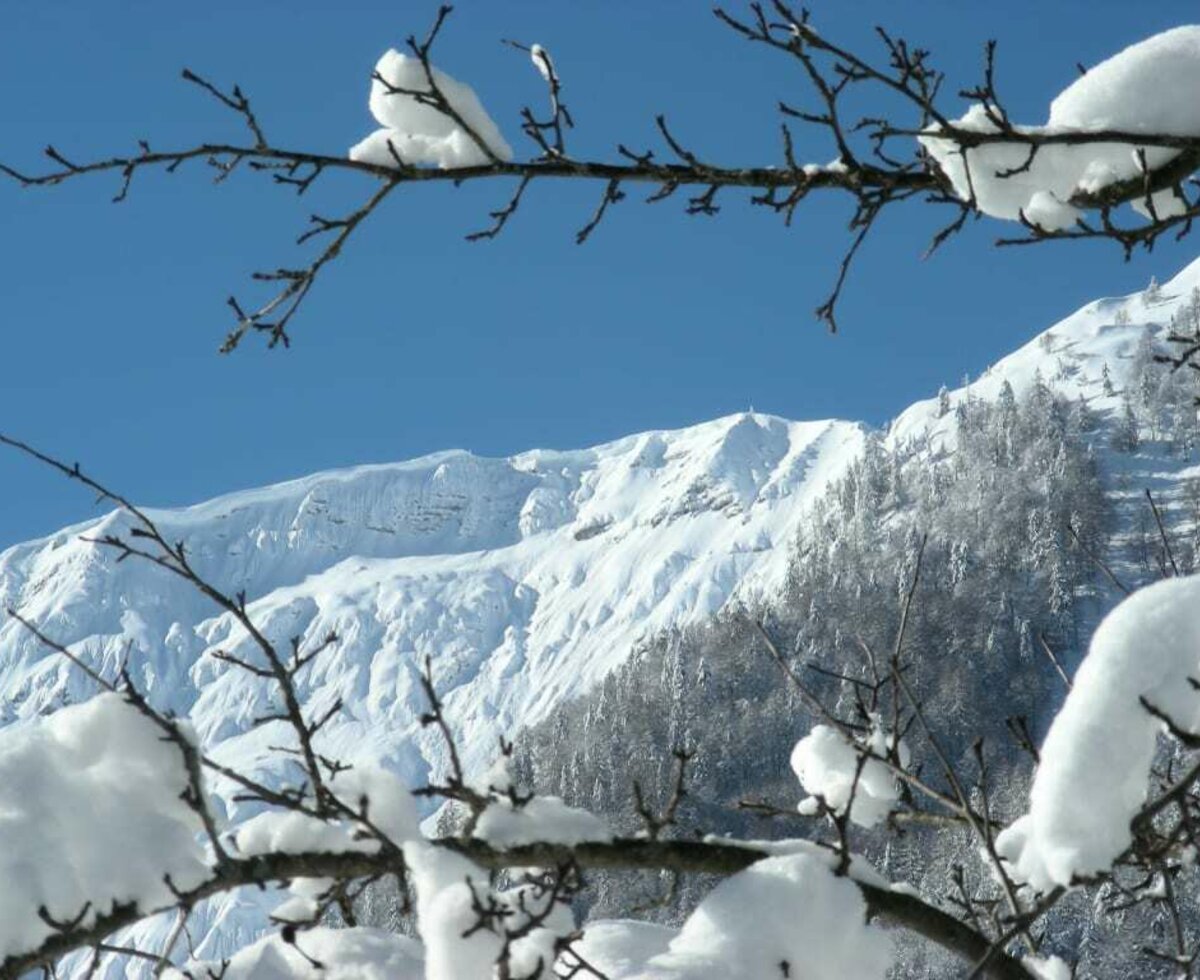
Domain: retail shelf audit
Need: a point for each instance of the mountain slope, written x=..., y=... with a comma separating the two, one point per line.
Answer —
x=524, y=579
x=1147, y=438
x=993, y=486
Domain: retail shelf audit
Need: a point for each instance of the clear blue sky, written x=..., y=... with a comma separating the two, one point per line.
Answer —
x=416, y=340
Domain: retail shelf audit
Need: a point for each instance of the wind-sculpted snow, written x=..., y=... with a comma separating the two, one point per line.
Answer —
x=525, y=580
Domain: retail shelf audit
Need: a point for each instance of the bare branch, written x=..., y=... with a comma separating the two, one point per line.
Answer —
x=686, y=857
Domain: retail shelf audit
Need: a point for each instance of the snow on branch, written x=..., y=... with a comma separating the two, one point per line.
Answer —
x=1088, y=804
x=93, y=816
x=1125, y=133
x=841, y=776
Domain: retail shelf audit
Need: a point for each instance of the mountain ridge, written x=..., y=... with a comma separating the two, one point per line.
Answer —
x=476, y=547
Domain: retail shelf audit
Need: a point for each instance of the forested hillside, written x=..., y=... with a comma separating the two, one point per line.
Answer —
x=1028, y=516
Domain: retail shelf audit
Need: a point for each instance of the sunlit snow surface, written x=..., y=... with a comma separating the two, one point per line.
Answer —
x=419, y=134
x=91, y=815
x=1095, y=762
x=525, y=580
x=339, y=954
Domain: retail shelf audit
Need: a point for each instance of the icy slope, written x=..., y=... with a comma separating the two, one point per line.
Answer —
x=525, y=579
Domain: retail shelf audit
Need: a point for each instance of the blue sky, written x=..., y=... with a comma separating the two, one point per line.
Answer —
x=415, y=340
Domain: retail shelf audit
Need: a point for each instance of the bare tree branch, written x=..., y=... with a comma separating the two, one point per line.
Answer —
x=686, y=857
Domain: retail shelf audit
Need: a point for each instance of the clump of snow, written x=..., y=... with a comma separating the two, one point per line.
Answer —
x=1095, y=762
x=499, y=778
x=458, y=944
x=1147, y=88
x=446, y=885
x=535, y=952
x=1049, y=213
x=510, y=821
x=303, y=905
x=90, y=812
x=860, y=870
x=544, y=818
x=384, y=807
x=781, y=910
x=1048, y=968
x=339, y=954
x=368, y=790
x=618, y=948
x=831, y=769
x=291, y=832
x=381, y=798
x=420, y=134
x=542, y=62
x=1166, y=203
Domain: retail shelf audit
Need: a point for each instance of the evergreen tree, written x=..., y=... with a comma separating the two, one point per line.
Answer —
x=1125, y=435
x=943, y=408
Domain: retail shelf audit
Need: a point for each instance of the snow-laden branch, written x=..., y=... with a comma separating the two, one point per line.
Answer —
x=1118, y=135
x=897, y=907
x=1089, y=797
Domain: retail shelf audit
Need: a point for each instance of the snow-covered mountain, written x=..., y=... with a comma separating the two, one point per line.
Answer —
x=1102, y=356
x=1072, y=357
x=525, y=580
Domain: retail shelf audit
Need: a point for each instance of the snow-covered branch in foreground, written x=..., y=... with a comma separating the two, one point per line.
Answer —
x=1138, y=677
x=1149, y=88
x=92, y=816
x=96, y=834
x=784, y=916
x=788, y=916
